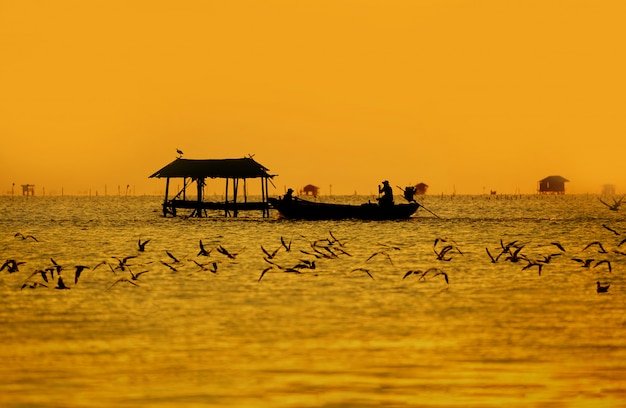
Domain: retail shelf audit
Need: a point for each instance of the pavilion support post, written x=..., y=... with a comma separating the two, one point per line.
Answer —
x=167, y=190
x=200, y=190
x=266, y=210
x=235, y=188
x=226, y=212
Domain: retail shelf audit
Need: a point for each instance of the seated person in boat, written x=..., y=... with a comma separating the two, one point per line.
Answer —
x=288, y=197
x=409, y=194
x=387, y=194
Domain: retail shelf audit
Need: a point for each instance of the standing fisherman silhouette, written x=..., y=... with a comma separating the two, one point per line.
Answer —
x=387, y=194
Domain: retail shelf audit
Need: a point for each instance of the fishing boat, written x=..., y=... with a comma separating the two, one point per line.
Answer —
x=300, y=209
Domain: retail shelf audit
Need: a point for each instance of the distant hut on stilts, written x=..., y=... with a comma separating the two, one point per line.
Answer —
x=552, y=185
x=310, y=189
x=198, y=170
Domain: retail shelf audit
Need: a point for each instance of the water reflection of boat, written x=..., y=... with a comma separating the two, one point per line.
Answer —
x=309, y=210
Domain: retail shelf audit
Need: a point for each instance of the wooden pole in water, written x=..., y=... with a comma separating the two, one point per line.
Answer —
x=226, y=200
x=235, y=188
x=167, y=189
x=263, y=187
x=199, y=188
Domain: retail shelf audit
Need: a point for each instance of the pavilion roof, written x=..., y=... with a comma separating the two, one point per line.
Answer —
x=214, y=168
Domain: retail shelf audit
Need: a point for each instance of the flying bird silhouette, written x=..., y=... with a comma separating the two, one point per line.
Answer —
x=363, y=270
x=203, y=251
x=79, y=270
x=23, y=237
x=142, y=245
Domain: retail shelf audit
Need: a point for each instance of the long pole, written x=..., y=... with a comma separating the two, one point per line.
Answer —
x=421, y=205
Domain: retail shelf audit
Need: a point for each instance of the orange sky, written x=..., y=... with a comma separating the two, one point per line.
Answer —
x=466, y=96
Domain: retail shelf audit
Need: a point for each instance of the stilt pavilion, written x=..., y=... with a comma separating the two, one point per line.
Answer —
x=234, y=171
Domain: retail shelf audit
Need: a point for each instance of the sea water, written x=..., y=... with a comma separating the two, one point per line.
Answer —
x=354, y=331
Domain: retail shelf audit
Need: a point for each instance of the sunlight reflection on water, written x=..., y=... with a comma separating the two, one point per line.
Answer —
x=495, y=335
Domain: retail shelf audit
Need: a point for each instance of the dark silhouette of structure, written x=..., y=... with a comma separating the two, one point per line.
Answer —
x=311, y=189
x=197, y=171
x=552, y=185
x=28, y=189
x=421, y=188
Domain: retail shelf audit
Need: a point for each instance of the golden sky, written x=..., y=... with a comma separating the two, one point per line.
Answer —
x=466, y=96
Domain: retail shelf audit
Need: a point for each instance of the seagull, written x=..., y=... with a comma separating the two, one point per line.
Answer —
x=586, y=263
x=601, y=250
x=611, y=229
x=423, y=273
x=11, y=265
x=104, y=263
x=56, y=266
x=142, y=245
x=264, y=271
x=515, y=256
x=493, y=260
x=606, y=261
x=445, y=275
x=203, y=251
x=122, y=262
x=558, y=245
x=172, y=256
x=285, y=244
x=169, y=266
x=135, y=276
x=43, y=274
x=616, y=204
x=122, y=280
x=270, y=255
x=20, y=235
x=335, y=239
x=363, y=270
x=380, y=253
x=61, y=284
x=535, y=263
x=305, y=264
x=79, y=269
x=223, y=251
x=602, y=289
x=204, y=268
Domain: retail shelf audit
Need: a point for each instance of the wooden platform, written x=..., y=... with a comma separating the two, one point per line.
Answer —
x=198, y=209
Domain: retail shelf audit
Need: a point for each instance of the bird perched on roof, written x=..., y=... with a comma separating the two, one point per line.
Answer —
x=180, y=153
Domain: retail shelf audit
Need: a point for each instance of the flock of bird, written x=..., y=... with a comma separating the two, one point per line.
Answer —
x=307, y=258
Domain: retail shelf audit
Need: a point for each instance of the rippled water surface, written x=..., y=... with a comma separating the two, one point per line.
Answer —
x=495, y=334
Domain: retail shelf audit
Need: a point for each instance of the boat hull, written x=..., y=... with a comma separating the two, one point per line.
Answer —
x=308, y=210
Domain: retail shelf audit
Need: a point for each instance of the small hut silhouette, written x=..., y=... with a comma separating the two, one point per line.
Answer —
x=552, y=185
x=28, y=189
x=311, y=189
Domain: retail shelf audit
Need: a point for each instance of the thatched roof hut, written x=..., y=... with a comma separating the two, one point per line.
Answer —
x=198, y=170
